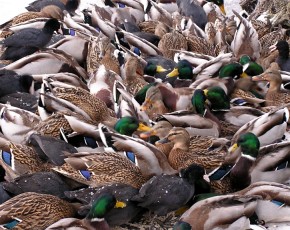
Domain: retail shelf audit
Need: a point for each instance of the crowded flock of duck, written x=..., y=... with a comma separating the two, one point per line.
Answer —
x=145, y=114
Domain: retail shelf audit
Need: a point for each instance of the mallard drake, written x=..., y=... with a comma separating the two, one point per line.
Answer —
x=221, y=107
x=254, y=166
x=265, y=126
x=183, y=70
x=161, y=98
x=234, y=213
x=29, y=40
x=49, y=61
x=34, y=210
x=181, y=156
x=165, y=193
x=272, y=208
x=96, y=216
x=116, y=216
x=274, y=96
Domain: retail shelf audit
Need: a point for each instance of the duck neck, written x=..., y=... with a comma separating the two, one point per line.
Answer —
x=284, y=53
x=274, y=86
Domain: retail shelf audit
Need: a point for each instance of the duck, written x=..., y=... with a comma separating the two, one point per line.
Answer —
x=54, y=184
x=76, y=100
x=283, y=59
x=34, y=210
x=201, y=215
x=246, y=39
x=96, y=216
x=274, y=96
x=15, y=123
x=68, y=5
x=274, y=200
x=16, y=83
x=183, y=70
x=49, y=61
x=194, y=11
x=28, y=41
x=50, y=11
x=182, y=156
x=20, y=100
x=19, y=159
x=254, y=165
x=132, y=81
x=221, y=107
x=116, y=216
x=161, y=98
x=263, y=126
x=159, y=190
x=92, y=169
x=172, y=41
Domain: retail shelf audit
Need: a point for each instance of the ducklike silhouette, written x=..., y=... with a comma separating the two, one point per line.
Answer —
x=28, y=40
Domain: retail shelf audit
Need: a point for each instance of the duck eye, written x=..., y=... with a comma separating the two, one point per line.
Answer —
x=47, y=89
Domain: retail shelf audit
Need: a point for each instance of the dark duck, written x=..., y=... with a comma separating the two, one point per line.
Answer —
x=28, y=40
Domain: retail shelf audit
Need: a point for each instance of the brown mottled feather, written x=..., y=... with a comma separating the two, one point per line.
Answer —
x=36, y=211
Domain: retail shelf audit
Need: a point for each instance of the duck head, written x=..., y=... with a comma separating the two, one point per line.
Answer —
x=218, y=98
x=183, y=69
x=128, y=125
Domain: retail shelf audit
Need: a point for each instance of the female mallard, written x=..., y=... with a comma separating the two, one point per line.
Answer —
x=274, y=96
x=95, y=219
x=229, y=211
x=181, y=156
x=19, y=159
x=133, y=81
x=101, y=169
x=34, y=211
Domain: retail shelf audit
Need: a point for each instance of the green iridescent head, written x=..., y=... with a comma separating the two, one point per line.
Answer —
x=181, y=225
x=128, y=125
x=198, y=101
x=252, y=68
x=231, y=70
x=218, y=98
x=183, y=69
x=152, y=68
x=101, y=207
x=141, y=94
x=249, y=144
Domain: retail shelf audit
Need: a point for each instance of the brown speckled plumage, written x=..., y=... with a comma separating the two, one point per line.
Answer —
x=36, y=211
x=172, y=40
